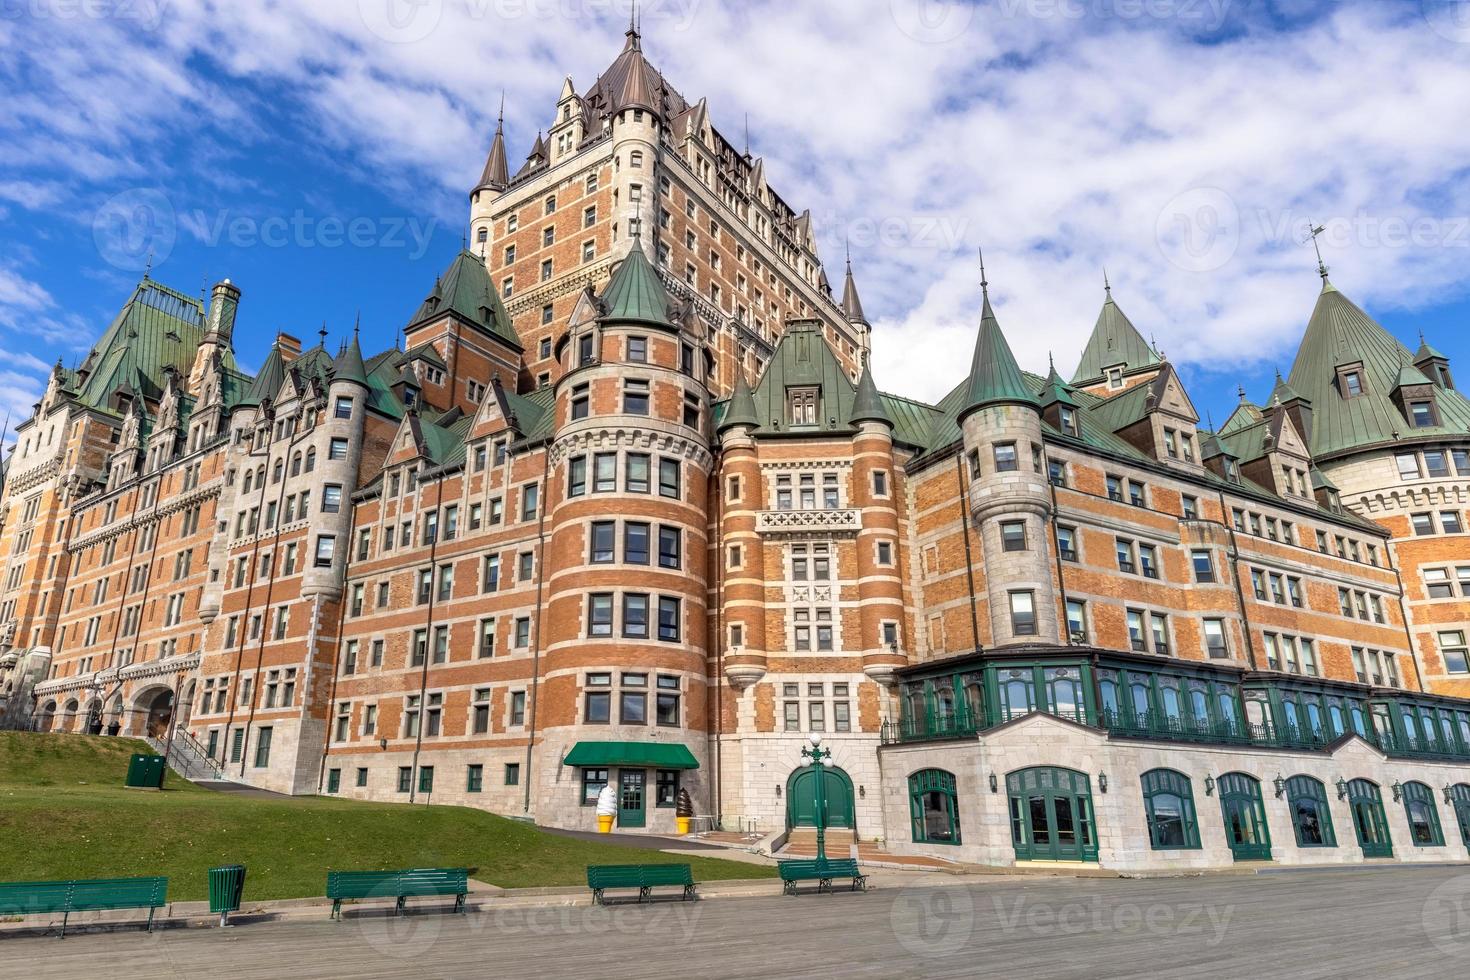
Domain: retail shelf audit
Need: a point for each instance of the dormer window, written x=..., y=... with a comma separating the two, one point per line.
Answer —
x=1422, y=415
x=801, y=405
x=1232, y=470
x=1069, y=420
x=585, y=350
x=1115, y=377
x=1351, y=382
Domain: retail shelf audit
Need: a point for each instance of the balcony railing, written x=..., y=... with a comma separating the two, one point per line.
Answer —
x=1153, y=725
x=799, y=521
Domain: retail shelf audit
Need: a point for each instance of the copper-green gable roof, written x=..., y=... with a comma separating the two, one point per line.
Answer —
x=995, y=377
x=1426, y=352
x=802, y=359
x=268, y=380
x=466, y=291
x=635, y=293
x=1055, y=391
x=157, y=328
x=1338, y=333
x=1114, y=341
x=866, y=405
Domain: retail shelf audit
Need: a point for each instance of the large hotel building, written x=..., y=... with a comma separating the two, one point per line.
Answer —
x=628, y=506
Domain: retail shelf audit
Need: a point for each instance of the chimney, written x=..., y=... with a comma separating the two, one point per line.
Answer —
x=223, y=302
x=289, y=346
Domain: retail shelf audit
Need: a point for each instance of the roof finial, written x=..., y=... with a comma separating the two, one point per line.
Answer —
x=323, y=333
x=356, y=323
x=1240, y=390
x=148, y=267
x=847, y=254
x=1051, y=364
x=500, y=120
x=747, y=134
x=984, y=283
x=1107, y=286
x=1313, y=233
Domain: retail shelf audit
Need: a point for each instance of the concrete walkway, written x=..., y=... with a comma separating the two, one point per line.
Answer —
x=1399, y=923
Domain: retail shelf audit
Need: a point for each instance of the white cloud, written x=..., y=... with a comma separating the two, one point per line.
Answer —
x=1060, y=143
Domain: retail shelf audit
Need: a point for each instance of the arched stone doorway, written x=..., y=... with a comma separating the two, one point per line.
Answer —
x=154, y=709
x=68, y=720
x=115, y=717
x=46, y=717
x=92, y=718
x=837, y=798
x=186, y=704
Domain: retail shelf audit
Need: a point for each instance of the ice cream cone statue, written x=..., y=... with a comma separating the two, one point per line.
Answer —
x=683, y=810
x=607, y=808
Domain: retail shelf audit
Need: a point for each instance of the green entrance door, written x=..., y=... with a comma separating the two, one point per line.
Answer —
x=801, y=798
x=1051, y=815
x=630, y=797
x=1245, y=817
x=1369, y=820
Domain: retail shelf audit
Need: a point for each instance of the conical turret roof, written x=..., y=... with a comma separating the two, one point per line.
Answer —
x=635, y=293
x=741, y=410
x=497, y=174
x=866, y=405
x=995, y=377
x=851, y=305
x=349, y=366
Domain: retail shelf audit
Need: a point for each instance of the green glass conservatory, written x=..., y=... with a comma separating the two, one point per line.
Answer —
x=1170, y=700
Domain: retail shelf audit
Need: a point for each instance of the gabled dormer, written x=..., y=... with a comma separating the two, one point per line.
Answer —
x=1116, y=356
x=1434, y=365
x=1417, y=398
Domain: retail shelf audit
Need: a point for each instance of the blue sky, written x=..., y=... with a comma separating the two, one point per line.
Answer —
x=319, y=155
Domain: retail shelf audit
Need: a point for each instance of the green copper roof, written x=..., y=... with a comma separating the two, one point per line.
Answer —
x=802, y=359
x=157, y=328
x=635, y=294
x=1114, y=341
x=349, y=366
x=1056, y=391
x=1283, y=392
x=466, y=291
x=995, y=377
x=740, y=409
x=1340, y=333
x=268, y=381
x=1426, y=352
x=866, y=405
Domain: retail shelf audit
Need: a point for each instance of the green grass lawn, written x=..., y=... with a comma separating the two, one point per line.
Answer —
x=64, y=814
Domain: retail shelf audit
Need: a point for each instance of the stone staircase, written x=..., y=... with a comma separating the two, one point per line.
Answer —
x=187, y=757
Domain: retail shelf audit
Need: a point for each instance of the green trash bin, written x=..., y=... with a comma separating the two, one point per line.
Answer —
x=226, y=886
x=146, y=772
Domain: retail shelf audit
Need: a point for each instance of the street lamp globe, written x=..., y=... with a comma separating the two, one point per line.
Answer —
x=816, y=739
x=805, y=762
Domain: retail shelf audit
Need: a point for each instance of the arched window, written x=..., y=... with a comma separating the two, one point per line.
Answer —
x=1168, y=801
x=934, y=806
x=1311, y=820
x=278, y=471
x=249, y=480
x=1459, y=795
x=311, y=459
x=296, y=463
x=1423, y=815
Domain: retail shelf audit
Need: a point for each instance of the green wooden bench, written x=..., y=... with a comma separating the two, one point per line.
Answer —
x=397, y=885
x=83, y=895
x=644, y=877
x=822, y=872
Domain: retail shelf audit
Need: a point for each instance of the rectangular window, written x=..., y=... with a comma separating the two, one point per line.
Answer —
x=1422, y=523
x=1452, y=650
x=668, y=478
x=603, y=537
x=474, y=778
x=636, y=473
x=593, y=780
x=523, y=633
x=1005, y=457
x=405, y=778
x=600, y=614
x=1013, y=535
x=576, y=476
x=635, y=615
x=1076, y=621
x=263, y=748
x=635, y=396
x=518, y=707
x=633, y=707
x=635, y=543
x=529, y=498
x=669, y=540
x=1204, y=566
x=1023, y=614
x=668, y=619
x=1408, y=464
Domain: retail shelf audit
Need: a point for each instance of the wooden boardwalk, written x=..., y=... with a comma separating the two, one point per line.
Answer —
x=1384, y=923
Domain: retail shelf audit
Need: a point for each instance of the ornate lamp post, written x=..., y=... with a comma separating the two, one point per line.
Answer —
x=820, y=757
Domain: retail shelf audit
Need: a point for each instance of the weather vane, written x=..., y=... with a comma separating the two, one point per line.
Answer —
x=1313, y=234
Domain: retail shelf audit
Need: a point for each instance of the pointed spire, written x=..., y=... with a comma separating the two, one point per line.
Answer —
x=741, y=410
x=349, y=366
x=1107, y=286
x=867, y=405
x=497, y=174
x=1114, y=341
x=852, y=306
x=995, y=377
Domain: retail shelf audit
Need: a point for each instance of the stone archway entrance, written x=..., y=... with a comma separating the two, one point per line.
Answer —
x=155, y=707
x=47, y=716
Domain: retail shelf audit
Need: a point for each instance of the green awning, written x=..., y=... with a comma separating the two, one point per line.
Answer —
x=653, y=755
